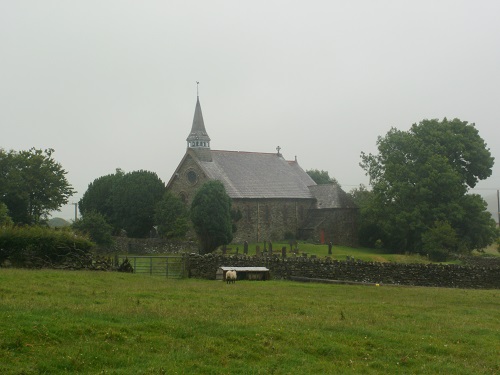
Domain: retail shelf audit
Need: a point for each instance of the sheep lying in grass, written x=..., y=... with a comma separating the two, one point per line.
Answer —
x=231, y=276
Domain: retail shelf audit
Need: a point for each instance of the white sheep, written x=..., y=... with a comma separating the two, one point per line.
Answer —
x=231, y=276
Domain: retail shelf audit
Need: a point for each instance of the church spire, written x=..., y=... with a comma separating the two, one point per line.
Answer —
x=198, y=138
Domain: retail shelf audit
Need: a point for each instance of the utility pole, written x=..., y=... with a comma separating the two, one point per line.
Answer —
x=498, y=206
x=76, y=211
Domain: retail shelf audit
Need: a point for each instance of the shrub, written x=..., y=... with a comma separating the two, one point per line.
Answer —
x=125, y=266
x=94, y=224
x=36, y=247
x=439, y=241
x=4, y=215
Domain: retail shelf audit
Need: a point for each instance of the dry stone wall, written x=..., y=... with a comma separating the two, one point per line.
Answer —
x=434, y=275
x=150, y=246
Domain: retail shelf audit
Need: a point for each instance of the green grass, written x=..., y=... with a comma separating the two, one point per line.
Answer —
x=338, y=252
x=491, y=250
x=342, y=252
x=56, y=322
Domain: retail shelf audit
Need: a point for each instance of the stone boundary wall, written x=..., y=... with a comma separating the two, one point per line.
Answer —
x=481, y=261
x=150, y=246
x=433, y=275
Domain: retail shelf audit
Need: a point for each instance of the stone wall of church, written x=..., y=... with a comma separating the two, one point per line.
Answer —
x=187, y=180
x=336, y=225
x=269, y=219
x=272, y=219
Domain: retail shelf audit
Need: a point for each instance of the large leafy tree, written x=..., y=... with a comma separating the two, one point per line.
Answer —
x=321, y=177
x=422, y=176
x=126, y=200
x=211, y=216
x=135, y=196
x=32, y=184
x=99, y=196
x=171, y=216
x=370, y=232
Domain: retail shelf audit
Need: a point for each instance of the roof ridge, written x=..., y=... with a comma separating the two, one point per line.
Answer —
x=246, y=152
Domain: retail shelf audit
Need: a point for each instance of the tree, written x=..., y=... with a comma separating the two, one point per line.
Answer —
x=126, y=200
x=94, y=225
x=211, y=216
x=32, y=184
x=370, y=232
x=321, y=177
x=422, y=176
x=134, y=197
x=4, y=215
x=171, y=216
x=99, y=195
x=439, y=241
x=476, y=228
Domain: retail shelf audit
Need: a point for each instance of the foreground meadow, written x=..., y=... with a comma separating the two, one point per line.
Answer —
x=54, y=322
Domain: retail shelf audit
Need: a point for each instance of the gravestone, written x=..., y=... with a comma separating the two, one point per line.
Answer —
x=245, y=247
x=270, y=248
x=283, y=251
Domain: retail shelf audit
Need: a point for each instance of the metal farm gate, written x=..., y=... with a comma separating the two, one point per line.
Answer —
x=172, y=267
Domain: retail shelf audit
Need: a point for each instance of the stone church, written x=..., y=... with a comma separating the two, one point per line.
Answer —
x=276, y=197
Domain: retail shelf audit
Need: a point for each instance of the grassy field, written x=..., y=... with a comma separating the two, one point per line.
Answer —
x=56, y=322
x=342, y=252
x=338, y=252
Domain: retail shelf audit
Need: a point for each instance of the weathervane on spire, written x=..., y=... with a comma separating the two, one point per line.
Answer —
x=197, y=93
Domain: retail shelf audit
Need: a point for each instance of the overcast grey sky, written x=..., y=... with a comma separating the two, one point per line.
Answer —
x=112, y=83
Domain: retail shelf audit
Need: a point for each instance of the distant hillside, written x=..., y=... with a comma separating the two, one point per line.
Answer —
x=57, y=222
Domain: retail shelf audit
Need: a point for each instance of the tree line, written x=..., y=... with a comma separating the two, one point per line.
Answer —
x=32, y=184
x=418, y=200
x=136, y=203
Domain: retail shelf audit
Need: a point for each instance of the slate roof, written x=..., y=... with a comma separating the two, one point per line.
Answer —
x=331, y=196
x=198, y=131
x=258, y=175
x=244, y=269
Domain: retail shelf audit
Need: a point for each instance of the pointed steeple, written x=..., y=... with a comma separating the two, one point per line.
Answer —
x=198, y=138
